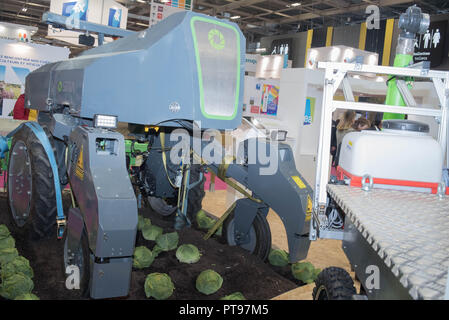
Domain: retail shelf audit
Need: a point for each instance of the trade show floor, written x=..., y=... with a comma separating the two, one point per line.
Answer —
x=241, y=271
x=322, y=253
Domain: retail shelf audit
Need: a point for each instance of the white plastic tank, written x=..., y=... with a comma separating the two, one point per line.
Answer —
x=403, y=152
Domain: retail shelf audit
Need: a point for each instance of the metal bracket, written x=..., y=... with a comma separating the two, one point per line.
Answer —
x=367, y=186
x=406, y=94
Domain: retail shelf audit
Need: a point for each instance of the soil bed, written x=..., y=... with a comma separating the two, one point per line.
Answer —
x=240, y=270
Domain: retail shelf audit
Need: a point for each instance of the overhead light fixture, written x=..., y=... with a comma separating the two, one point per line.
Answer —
x=296, y=4
x=235, y=17
x=24, y=9
x=141, y=1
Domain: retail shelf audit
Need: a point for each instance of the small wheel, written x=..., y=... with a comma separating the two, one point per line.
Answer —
x=161, y=206
x=259, y=236
x=30, y=186
x=168, y=207
x=79, y=257
x=334, y=284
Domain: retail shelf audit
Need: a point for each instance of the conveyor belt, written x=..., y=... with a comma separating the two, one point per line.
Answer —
x=408, y=230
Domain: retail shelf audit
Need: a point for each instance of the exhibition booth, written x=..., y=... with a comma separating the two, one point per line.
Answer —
x=186, y=160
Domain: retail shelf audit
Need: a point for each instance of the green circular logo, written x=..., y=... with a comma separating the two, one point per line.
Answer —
x=216, y=39
x=59, y=86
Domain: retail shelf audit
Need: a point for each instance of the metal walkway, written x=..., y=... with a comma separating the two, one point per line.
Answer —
x=408, y=230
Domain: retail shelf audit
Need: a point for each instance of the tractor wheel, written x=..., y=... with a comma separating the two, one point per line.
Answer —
x=31, y=189
x=79, y=257
x=334, y=284
x=196, y=195
x=260, y=236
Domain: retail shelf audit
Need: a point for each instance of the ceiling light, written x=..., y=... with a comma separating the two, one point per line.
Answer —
x=235, y=17
x=296, y=4
x=24, y=9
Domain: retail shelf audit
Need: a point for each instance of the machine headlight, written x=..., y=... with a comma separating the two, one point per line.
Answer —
x=278, y=135
x=104, y=121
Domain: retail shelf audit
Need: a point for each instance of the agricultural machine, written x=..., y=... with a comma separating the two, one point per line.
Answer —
x=187, y=69
x=389, y=201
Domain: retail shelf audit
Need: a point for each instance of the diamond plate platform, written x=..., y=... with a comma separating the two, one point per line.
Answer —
x=408, y=230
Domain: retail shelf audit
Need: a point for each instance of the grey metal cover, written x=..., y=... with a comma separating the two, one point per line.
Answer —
x=406, y=125
x=408, y=230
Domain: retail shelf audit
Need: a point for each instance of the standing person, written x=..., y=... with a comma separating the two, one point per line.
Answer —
x=343, y=127
x=334, y=140
x=19, y=111
x=361, y=124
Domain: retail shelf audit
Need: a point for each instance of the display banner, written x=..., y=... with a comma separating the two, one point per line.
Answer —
x=430, y=45
x=107, y=12
x=16, y=61
x=159, y=11
x=282, y=46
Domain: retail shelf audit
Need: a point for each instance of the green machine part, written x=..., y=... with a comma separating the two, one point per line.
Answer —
x=133, y=149
x=411, y=23
x=394, y=97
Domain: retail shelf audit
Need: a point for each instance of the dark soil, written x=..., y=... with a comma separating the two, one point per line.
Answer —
x=240, y=270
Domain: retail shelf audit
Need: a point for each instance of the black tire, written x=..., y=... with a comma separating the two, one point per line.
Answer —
x=196, y=195
x=41, y=221
x=334, y=284
x=194, y=203
x=260, y=236
x=81, y=259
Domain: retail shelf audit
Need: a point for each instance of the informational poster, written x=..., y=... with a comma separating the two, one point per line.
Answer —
x=270, y=100
x=16, y=61
x=251, y=62
x=309, y=114
x=261, y=97
x=76, y=10
x=106, y=12
x=430, y=45
x=115, y=15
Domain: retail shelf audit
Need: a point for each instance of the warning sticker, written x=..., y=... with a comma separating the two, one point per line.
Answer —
x=299, y=182
x=79, y=169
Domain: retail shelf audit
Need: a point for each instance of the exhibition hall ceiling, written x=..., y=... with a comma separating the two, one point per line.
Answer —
x=257, y=18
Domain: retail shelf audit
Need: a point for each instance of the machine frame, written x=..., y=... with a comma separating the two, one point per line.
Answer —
x=354, y=243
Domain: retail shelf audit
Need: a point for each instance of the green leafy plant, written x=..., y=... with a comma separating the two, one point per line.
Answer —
x=7, y=255
x=278, y=258
x=168, y=241
x=16, y=285
x=209, y=282
x=151, y=232
x=143, y=257
x=203, y=221
x=27, y=296
x=143, y=222
x=305, y=272
x=7, y=242
x=188, y=253
x=234, y=296
x=158, y=286
x=17, y=265
x=4, y=232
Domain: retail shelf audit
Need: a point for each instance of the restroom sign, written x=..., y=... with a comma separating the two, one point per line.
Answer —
x=430, y=45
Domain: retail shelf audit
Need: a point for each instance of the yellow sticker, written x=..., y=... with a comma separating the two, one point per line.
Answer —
x=309, y=208
x=350, y=143
x=79, y=169
x=299, y=182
